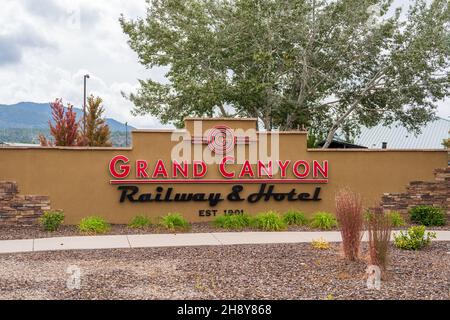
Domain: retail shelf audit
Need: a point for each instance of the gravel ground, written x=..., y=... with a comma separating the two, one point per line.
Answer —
x=288, y=271
x=33, y=232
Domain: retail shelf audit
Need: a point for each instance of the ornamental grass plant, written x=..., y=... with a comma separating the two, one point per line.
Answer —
x=139, y=222
x=379, y=226
x=232, y=221
x=173, y=221
x=349, y=214
x=93, y=225
x=268, y=221
x=295, y=218
x=323, y=221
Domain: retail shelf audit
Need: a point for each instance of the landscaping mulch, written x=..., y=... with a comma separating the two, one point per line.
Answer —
x=279, y=271
x=33, y=232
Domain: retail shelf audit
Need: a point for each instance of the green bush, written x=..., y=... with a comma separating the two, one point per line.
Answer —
x=140, y=222
x=427, y=216
x=174, y=221
x=295, y=218
x=268, y=221
x=396, y=219
x=323, y=220
x=232, y=221
x=93, y=224
x=51, y=220
x=368, y=215
x=413, y=239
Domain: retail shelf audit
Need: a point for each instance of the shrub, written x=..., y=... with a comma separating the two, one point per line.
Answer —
x=232, y=221
x=320, y=244
x=379, y=232
x=140, y=222
x=51, y=220
x=323, y=220
x=427, y=216
x=396, y=219
x=295, y=218
x=174, y=221
x=350, y=217
x=93, y=224
x=413, y=239
x=269, y=221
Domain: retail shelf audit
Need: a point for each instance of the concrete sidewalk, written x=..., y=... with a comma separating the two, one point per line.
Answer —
x=173, y=240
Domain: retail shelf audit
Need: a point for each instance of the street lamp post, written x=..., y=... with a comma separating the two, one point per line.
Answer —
x=126, y=134
x=86, y=76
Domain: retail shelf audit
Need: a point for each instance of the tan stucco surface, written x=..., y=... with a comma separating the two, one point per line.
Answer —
x=78, y=181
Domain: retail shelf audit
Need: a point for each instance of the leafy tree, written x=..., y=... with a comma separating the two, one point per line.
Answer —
x=66, y=131
x=325, y=65
x=65, y=128
x=97, y=133
x=31, y=136
x=446, y=142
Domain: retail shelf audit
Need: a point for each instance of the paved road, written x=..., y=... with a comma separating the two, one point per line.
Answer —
x=173, y=240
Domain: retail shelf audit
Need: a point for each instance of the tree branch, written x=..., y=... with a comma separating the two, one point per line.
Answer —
x=378, y=76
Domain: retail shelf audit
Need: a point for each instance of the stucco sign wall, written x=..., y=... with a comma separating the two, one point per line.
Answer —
x=211, y=167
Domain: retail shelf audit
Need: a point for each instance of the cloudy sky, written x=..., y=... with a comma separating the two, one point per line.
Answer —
x=46, y=46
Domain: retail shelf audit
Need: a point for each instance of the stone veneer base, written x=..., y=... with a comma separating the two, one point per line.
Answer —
x=20, y=210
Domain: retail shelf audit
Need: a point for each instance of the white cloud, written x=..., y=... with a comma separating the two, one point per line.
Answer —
x=50, y=44
x=53, y=43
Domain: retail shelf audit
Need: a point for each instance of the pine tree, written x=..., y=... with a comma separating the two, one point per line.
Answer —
x=97, y=133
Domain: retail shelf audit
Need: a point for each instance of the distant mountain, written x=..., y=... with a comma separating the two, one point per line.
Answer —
x=31, y=115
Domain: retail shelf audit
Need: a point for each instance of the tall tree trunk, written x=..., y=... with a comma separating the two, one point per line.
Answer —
x=267, y=123
x=337, y=124
x=223, y=112
x=330, y=137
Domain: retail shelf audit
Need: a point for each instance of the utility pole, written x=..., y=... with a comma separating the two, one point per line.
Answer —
x=126, y=134
x=86, y=76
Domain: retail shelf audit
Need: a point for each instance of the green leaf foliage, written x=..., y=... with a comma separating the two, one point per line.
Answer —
x=268, y=221
x=93, y=225
x=140, y=222
x=295, y=218
x=51, y=220
x=428, y=215
x=414, y=238
x=232, y=221
x=174, y=221
x=322, y=65
x=323, y=221
x=396, y=219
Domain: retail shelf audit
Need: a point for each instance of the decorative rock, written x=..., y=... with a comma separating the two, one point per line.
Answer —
x=435, y=194
x=20, y=210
